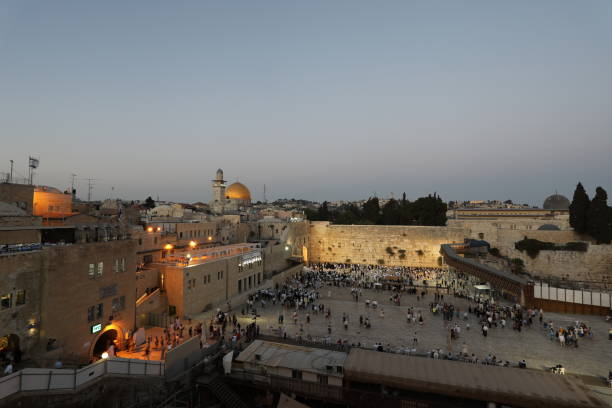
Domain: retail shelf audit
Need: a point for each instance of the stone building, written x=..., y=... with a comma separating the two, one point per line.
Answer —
x=196, y=280
x=70, y=292
x=228, y=199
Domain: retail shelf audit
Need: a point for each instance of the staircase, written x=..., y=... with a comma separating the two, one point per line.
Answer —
x=225, y=394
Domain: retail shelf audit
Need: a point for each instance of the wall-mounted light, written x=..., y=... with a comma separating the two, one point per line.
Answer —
x=149, y=229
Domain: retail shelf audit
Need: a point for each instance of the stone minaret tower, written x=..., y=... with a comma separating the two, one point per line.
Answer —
x=219, y=187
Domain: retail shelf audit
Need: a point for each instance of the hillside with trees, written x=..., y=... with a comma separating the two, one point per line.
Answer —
x=430, y=210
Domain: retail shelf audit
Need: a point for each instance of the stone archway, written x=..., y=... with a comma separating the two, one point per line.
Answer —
x=109, y=336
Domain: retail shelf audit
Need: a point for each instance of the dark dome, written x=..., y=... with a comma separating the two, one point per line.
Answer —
x=549, y=227
x=556, y=202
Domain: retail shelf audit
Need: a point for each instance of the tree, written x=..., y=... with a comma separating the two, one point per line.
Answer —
x=391, y=213
x=371, y=210
x=404, y=211
x=579, y=209
x=323, y=213
x=599, y=225
x=149, y=203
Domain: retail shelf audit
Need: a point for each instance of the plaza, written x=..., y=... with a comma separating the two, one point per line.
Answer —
x=591, y=358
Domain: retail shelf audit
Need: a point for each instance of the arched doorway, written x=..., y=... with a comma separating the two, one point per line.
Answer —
x=103, y=343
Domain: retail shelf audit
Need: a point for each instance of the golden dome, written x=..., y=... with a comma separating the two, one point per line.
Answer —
x=237, y=191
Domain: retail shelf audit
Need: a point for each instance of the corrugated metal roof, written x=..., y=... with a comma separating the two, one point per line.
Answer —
x=517, y=387
x=292, y=357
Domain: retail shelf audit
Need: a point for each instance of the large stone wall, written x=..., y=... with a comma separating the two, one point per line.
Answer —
x=594, y=267
x=504, y=233
x=367, y=244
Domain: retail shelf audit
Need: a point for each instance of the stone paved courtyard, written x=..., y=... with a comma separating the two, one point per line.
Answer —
x=592, y=357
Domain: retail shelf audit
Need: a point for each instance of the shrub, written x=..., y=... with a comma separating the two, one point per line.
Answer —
x=533, y=246
x=381, y=261
x=577, y=246
x=517, y=265
x=390, y=251
x=494, y=252
x=420, y=252
x=402, y=255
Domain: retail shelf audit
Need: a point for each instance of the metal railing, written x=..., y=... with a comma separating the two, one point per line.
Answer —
x=43, y=379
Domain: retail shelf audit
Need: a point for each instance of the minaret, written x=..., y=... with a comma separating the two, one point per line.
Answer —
x=219, y=187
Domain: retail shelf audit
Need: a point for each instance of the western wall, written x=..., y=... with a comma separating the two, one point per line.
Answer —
x=420, y=246
x=379, y=244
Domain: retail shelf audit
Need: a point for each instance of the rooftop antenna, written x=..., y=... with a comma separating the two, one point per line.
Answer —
x=10, y=180
x=33, y=163
x=89, y=187
x=72, y=190
x=264, y=195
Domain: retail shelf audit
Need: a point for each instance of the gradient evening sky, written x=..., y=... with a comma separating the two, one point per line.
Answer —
x=316, y=99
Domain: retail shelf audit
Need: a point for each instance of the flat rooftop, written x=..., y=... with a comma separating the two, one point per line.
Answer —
x=196, y=256
x=513, y=386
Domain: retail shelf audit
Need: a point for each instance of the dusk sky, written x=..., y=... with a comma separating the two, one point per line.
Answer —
x=321, y=100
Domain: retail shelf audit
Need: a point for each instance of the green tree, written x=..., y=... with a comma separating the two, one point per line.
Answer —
x=391, y=213
x=323, y=213
x=599, y=225
x=404, y=211
x=149, y=203
x=371, y=210
x=579, y=209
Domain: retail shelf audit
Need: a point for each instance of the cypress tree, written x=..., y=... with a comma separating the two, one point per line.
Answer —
x=598, y=217
x=579, y=209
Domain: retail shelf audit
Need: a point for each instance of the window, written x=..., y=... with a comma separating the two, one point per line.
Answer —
x=322, y=379
x=339, y=369
x=180, y=235
x=100, y=269
x=6, y=301
x=92, y=271
x=296, y=374
x=91, y=310
x=99, y=310
x=20, y=297
x=239, y=286
x=139, y=241
x=119, y=265
x=118, y=304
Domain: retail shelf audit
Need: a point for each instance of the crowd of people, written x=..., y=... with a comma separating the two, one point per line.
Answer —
x=303, y=298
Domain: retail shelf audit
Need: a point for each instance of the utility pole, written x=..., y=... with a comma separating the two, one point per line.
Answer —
x=10, y=180
x=264, y=197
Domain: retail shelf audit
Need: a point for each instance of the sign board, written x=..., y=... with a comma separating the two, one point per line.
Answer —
x=96, y=328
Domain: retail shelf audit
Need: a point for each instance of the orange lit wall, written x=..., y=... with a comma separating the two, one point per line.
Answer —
x=52, y=205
